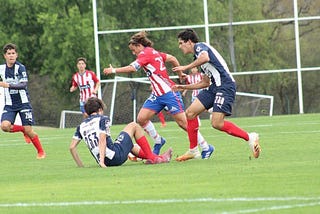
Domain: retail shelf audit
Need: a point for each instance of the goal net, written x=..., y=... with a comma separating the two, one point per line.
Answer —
x=124, y=98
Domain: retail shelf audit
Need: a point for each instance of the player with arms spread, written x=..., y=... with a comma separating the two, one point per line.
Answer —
x=14, y=81
x=220, y=95
x=86, y=81
x=95, y=131
x=162, y=96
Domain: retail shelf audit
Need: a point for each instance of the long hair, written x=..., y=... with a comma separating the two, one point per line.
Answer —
x=141, y=38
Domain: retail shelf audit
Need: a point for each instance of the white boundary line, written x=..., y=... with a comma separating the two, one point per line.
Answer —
x=167, y=201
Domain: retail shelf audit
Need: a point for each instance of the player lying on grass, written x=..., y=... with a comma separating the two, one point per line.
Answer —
x=95, y=130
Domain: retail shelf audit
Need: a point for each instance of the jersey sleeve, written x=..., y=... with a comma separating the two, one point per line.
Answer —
x=104, y=125
x=94, y=77
x=73, y=81
x=77, y=135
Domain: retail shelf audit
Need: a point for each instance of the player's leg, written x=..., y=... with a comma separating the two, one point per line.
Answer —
x=150, y=107
x=192, y=113
x=7, y=124
x=143, y=150
x=27, y=121
x=162, y=119
x=222, y=107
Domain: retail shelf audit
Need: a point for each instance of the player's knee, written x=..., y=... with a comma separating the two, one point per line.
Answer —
x=190, y=115
x=5, y=127
x=216, y=124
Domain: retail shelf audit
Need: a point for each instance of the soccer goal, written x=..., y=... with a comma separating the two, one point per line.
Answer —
x=70, y=119
x=125, y=96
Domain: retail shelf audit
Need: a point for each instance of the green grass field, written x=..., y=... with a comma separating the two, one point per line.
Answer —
x=284, y=179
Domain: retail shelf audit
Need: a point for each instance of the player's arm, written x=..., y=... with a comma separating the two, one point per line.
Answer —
x=20, y=85
x=125, y=69
x=102, y=148
x=73, y=88
x=74, y=153
x=204, y=83
x=202, y=58
x=175, y=63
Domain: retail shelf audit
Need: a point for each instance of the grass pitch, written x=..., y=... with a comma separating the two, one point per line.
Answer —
x=284, y=179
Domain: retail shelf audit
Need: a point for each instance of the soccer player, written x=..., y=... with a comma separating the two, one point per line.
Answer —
x=86, y=81
x=153, y=63
x=220, y=95
x=95, y=130
x=14, y=81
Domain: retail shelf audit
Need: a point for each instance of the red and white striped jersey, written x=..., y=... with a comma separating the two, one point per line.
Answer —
x=86, y=83
x=153, y=63
x=192, y=79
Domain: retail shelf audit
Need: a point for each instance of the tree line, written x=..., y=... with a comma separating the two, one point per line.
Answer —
x=51, y=34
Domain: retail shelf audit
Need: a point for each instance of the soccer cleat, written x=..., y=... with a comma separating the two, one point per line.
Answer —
x=27, y=138
x=167, y=155
x=189, y=155
x=164, y=158
x=157, y=146
x=254, y=144
x=41, y=155
x=208, y=153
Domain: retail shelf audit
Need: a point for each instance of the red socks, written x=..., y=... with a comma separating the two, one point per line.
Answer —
x=192, y=129
x=145, y=151
x=17, y=128
x=36, y=142
x=234, y=130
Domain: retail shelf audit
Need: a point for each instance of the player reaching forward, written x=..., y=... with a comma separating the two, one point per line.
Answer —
x=153, y=64
x=220, y=95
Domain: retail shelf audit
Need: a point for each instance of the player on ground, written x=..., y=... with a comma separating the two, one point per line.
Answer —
x=86, y=81
x=153, y=63
x=95, y=130
x=220, y=95
x=14, y=81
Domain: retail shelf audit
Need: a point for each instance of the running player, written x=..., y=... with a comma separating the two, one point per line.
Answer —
x=14, y=81
x=220, y=95
x=153, y=63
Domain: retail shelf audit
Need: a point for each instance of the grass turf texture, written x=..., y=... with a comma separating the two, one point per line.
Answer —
x=284, y=179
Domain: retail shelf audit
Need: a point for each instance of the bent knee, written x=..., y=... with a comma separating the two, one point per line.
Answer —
x=190, y=115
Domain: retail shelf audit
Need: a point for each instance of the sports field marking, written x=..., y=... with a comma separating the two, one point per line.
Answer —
x=316, y=202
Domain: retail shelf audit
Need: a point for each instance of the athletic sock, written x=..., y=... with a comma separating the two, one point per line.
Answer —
x=192, y=129
x=36, y=142
x=202, y=142
x=161, y=118
x=145, y=149
x=152, y=132
x=234, y=130
x=17, y=128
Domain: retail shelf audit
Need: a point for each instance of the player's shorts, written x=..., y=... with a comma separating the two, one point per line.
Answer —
x=26, y=116
x=121, y=146
x=171, y=101
x=220, y=98
x=82, y=107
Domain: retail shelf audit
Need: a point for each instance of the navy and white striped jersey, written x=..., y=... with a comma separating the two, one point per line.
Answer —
x=90, y=129
x=15, y=98
x=216, y=69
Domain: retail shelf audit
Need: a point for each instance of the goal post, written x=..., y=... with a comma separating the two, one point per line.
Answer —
x=70, y=119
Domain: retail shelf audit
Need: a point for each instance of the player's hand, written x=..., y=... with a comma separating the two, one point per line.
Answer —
x=4, y=84
x=177, y=87
x=180, y=68
x=102, y=165
x=109, y=70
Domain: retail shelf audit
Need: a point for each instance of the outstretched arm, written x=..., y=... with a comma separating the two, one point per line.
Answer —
x=74, y=153
x=125, y=69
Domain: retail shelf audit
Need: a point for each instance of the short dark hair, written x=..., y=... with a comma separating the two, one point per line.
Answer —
x=92, y=105
x=9, y=46
x=82, y=59
x=188, y=34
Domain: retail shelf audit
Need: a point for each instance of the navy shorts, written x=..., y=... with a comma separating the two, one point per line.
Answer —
x=121, y=146
x=26, y=116
x=171, y=102
x=220, y=98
